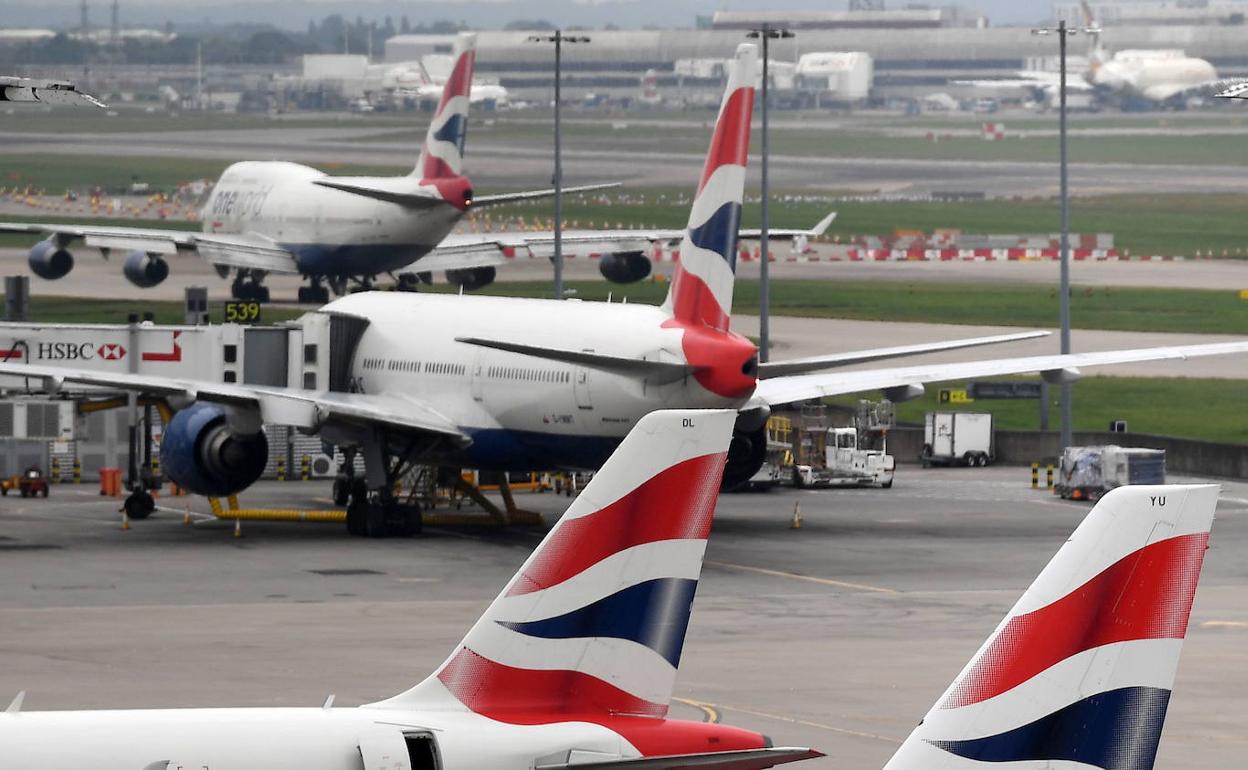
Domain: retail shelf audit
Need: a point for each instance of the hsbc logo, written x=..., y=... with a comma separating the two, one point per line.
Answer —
x=79, y=351
x=111, y=351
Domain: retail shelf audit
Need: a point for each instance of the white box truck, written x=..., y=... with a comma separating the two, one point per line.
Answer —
x=957, y=438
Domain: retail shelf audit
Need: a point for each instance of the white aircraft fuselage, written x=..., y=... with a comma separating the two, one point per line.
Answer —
x=283, y=739
x=1156, y=78
x=522, y=409
x=332, y=232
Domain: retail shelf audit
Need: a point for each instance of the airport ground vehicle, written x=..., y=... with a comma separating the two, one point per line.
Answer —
x=1088, y=472
x=29, y=483
x=803, y=451
x=957, y=438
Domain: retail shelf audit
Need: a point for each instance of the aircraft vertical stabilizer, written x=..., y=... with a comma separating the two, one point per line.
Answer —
x=1081, y=669
x=442, y=155
x=701, y=291
x=594, y=622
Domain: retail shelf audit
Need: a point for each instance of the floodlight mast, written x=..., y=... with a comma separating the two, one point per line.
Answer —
x=1063, y=32
x=765, y=33
x=558, y=38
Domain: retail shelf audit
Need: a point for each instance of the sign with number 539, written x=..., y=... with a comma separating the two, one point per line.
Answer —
x=242, y=312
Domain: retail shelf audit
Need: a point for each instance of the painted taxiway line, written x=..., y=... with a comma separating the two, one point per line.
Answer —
x=797, y=721
x=806, y=578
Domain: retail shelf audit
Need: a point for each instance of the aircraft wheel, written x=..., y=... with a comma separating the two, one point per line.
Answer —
x=375, y=520
x=356, y=514
x=342, y=491
x=139, y=505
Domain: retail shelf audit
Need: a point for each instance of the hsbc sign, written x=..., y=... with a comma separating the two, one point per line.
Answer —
x=79, y=351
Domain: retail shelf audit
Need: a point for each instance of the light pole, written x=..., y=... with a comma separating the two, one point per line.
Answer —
x=558, y=38
x=1067, y=406
x=766, y=33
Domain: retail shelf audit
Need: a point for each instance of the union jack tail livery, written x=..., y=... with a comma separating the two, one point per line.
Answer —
x=701, y=291
x=590, y=630
x=442, y=155
x=1080, y=671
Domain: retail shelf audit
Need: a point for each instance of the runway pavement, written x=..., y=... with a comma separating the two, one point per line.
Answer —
x=497, y=162
x=838, y=635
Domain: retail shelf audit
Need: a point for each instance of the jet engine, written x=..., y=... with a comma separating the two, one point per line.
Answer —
x=624, y=266
x=201, y=453
x=471, y=278
x=746, y=455
x=145, y=270
x=50, y=261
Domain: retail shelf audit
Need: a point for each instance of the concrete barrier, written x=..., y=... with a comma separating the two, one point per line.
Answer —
x=1023, y=447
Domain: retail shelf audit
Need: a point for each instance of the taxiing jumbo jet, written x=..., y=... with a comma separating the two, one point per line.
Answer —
x=280, y=217
x=505, y=383
x=573, y=665
x=272, y=216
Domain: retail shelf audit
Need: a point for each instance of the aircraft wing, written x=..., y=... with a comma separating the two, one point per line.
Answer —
x=1234, y=91
x=501, y=198
x=155, y=240
x=14, y=89
x=817, y=363
x=245, y=250
x=787, y=390
x=1028, y=79
x=304, y=409
x=475, y=249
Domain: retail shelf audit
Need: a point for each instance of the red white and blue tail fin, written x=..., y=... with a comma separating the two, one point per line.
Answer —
x=593, y=624
x=442, y=154
x=701, y=290
x=1080, y=671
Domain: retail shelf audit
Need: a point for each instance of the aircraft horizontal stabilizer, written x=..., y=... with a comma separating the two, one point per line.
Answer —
x=910, y=379
x=818, y=363
x=414, y=200
x=749, y=759
x=660, y=371
x=500, y=198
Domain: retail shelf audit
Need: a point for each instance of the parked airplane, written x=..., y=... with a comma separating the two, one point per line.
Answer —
x=526, y=384
x=574, y=663
x=1160, y=76
x=1079, y=673
x=273, y=216
x=40, y=91
x=424, y=78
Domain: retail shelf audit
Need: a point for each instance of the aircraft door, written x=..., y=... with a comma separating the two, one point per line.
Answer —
x=580, y=386
x=478, y=376
x=384, y=748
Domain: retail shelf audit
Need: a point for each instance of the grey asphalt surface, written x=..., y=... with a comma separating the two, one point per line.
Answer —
x=837, y=635
x=497, y=162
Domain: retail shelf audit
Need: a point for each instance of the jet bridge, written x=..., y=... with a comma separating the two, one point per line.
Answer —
x=313, y=352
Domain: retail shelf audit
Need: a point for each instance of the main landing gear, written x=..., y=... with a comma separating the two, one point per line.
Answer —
x=315, y=293
x=249, y=286
x=376, y=513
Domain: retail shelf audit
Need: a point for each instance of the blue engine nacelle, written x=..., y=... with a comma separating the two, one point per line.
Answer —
x=624, y=266
x=201, y=454
x=50, y=261
x=145, y=270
